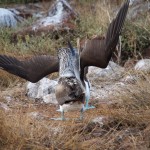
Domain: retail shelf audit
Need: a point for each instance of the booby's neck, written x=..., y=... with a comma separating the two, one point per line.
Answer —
x=66, y=68
x=68, y=63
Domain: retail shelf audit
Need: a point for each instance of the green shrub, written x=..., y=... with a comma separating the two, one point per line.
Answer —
x=135, y=39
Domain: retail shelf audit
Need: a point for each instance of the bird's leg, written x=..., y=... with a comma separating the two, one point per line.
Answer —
x=81, y=114
x=87, y=96
x=87, y=105
x=62, y=117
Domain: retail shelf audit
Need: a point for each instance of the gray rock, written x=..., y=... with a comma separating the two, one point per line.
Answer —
x=60, y=18
x=137, y=7
x=7, y=18
x=143, y=65
x=100, y=120
x=102, y=92
x=58, y=12
x=42, y=90
x=130, y=79
x=113, y=71
x=105, y=83
x=4, y=106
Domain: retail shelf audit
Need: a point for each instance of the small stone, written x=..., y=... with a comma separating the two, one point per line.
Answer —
x=143, y=65
x=4, y=106
x=100, y=120
x=8, y=98
x=36, y=115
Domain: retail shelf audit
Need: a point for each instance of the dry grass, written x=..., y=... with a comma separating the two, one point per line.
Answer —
x=127, y=124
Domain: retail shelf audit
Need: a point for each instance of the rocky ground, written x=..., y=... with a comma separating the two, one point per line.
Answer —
x=119, y=121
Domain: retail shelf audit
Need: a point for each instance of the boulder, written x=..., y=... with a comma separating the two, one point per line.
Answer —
x=8, y=18
x=103, y=92
x=143, y=65
x=137, y=7
x=112, y=72
x=43, y=89
x=60, y=18
x=11, y=16
x=105, y=83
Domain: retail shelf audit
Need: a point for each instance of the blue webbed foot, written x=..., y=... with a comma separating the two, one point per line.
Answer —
x=88, y=107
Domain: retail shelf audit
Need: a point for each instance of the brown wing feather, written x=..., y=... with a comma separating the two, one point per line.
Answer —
x=33, y=69
x=98, y=51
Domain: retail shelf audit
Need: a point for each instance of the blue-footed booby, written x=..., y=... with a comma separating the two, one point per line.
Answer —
x=72, y=74
x=70, y=92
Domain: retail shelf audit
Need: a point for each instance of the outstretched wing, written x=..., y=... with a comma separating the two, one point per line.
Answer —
x=98, y=51
x=33, y=69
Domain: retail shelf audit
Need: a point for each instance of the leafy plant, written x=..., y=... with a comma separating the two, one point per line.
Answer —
x=135, y=38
